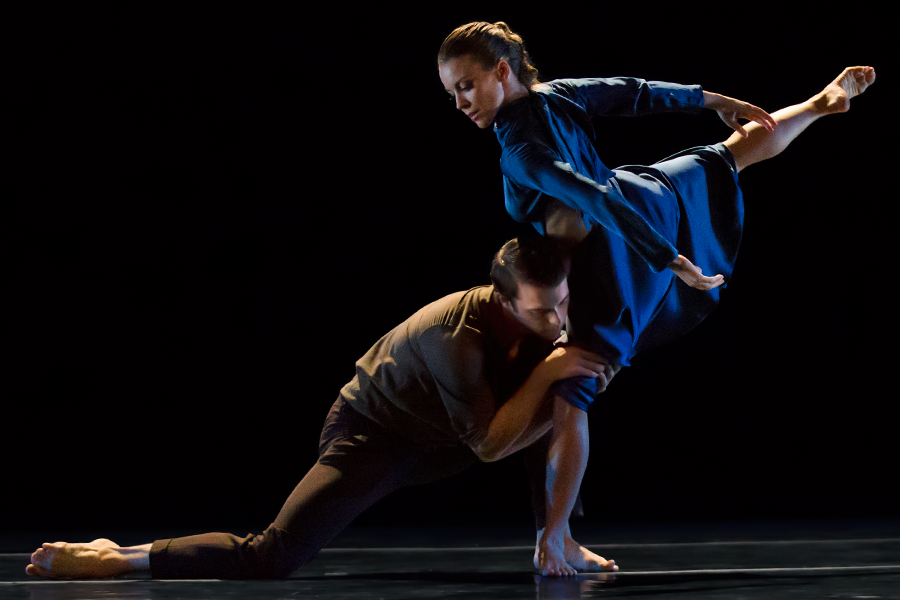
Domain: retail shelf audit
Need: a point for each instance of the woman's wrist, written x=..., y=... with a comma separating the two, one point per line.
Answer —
x=711, y=100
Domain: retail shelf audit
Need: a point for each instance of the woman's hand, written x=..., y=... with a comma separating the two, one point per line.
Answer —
x=730, y=110
x=693, y=275
x=570, y=361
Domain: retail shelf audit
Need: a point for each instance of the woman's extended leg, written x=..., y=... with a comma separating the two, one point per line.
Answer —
x=760, y=144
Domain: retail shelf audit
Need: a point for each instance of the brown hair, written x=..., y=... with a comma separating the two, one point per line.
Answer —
x=489, y=43
x=530, y=258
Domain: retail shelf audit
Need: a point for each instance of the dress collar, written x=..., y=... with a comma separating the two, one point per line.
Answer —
x=508, y=112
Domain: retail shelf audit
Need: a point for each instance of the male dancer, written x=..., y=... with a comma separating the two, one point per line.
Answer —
x=464, y=378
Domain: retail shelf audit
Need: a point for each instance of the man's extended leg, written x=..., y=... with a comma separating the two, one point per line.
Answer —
x=322, y=504
x=359, y=463
x=760, y=144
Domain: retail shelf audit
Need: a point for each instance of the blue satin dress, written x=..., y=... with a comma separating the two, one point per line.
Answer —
x=623, y=298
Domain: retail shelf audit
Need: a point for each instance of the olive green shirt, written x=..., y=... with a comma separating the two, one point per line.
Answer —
x=439, y=377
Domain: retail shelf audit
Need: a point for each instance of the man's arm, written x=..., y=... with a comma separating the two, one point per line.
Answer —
x=521, y=420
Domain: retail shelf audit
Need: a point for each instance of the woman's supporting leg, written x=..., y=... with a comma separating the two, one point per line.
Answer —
x=566, y=462
x=576, y=555
x=760, y=144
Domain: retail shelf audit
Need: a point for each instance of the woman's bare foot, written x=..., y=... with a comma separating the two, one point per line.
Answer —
x=584, y=560
x=99, y=559
x=836, y=96
x=576, y=556
x=551, y=556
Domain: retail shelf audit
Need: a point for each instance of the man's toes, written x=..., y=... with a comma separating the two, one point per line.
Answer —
x=41, y=558
x=37, y=571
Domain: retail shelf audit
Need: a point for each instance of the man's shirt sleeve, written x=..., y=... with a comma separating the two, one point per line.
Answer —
x=455, y=358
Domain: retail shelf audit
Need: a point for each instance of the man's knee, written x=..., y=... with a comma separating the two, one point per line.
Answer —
x=275, y=554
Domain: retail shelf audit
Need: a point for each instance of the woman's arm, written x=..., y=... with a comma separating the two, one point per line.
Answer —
x=629, y=96
x=563, y=225
x=730, y=110
x=633, y=97
x=536, y=167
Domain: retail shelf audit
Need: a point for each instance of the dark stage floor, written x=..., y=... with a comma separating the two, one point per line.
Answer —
x=747, y=560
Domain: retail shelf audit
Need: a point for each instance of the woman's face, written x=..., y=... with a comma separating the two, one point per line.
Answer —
x=478, y=91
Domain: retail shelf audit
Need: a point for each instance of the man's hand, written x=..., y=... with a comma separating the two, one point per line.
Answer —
x=570, y=361
x=609, y=373
x=730, y=110
x=693, y=276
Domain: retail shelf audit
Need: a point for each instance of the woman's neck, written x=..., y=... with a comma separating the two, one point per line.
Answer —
x=513, y=90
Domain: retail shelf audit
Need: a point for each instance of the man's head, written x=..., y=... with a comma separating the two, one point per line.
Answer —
x=529, y=275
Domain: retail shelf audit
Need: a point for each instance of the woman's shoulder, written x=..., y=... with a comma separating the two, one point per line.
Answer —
x=569, y=85
x=557, y=86
x=566, y=91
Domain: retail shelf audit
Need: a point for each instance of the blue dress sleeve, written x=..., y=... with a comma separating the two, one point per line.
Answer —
x=537, y=167
x=629, y=96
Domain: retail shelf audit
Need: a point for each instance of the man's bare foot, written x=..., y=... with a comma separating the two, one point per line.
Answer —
x=836, y=96
x=99, y=559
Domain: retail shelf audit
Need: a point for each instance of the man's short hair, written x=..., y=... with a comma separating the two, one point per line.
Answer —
x=530, y=258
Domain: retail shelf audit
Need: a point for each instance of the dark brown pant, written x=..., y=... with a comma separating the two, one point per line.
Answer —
x=359, y=463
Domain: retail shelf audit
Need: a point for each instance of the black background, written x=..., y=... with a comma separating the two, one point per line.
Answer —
x=223, y=210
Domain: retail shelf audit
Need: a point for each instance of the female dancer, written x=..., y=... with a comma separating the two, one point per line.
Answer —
x=631, y=230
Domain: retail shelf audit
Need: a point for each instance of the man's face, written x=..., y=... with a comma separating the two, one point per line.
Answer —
x=542, y=310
